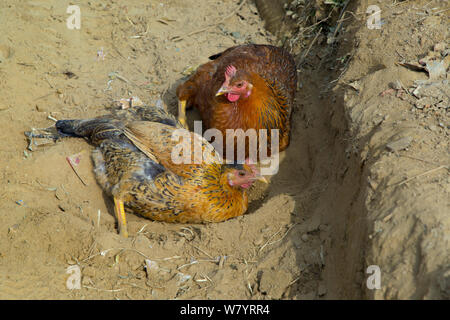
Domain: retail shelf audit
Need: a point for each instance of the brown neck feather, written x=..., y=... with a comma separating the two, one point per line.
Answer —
x=266, y=106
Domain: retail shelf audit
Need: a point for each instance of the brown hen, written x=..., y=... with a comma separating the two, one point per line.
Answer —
x=245, y=87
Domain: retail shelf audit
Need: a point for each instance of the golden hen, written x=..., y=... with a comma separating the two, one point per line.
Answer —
x=134, y=163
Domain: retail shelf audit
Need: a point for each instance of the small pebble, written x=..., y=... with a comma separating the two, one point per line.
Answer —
x=86, y=281
x=314, y=223
x=322, y=290
x=41, y=108
x=13, y=228
x=439, y=47
x=395, y=85
x=236, y=34
x=400, y=144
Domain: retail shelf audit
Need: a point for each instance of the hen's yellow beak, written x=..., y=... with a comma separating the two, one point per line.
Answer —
x=260, y=178
x=263, y=179
x=221, y=91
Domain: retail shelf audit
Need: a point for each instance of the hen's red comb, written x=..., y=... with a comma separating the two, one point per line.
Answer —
x=231, y=71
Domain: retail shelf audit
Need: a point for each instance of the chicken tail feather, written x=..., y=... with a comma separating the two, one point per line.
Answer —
x=67, y=127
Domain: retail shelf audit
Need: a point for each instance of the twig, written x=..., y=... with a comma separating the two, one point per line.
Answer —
x=293, y=281
x=355, y=15
x=399, y=3
x=106, y=290
x=417, y=176
x=45, y=96
x=271, y=237
x=309, y=48
x=426, y=5
x=183, y=234
x=142, y=229
x=104, y=252
x=136, y=286
x=197, y=261
x=205, y=253
x=249, y=287
x=404, y=59
x=341, y=19
x=441, y=11
x=170, y=258
x=419, y=159
x=187, y=264
x=208, y=278
x=98, y=218
x=344, y=69
x=91, y=248
x=132, y=23
x=318, y=22
x=73, y=165
x=49, y=83
x=52, y=118
x=285, y=234
x=114, y=46
x=26, y=64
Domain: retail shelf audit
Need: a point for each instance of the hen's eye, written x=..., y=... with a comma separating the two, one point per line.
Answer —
x=239, y=85
x=241, y=174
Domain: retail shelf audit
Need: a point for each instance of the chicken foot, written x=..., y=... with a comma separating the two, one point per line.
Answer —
x=182, y=112
x=121, y=218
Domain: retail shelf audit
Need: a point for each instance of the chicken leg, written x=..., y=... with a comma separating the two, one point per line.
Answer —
x=121, y=218
x=182, y=112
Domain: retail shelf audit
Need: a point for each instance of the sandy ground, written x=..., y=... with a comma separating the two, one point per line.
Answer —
x=50, y=219
x=399, y=126
x=308, y=235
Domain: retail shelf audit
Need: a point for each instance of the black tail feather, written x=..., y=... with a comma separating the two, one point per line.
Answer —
x=215, y=56
x=67, y=127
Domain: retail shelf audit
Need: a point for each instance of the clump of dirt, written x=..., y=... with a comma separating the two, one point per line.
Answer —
x=341, y=201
